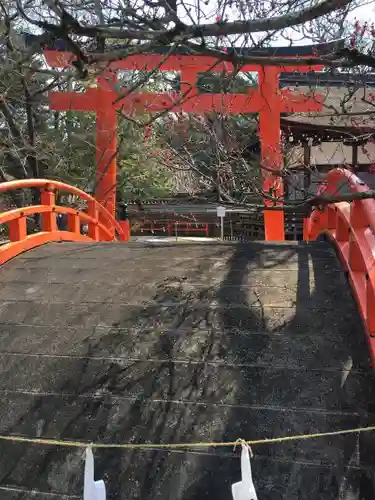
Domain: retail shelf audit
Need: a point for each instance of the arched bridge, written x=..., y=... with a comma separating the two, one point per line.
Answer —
x=171, y=342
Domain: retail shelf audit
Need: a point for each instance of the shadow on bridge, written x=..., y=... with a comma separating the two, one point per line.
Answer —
x=215, y=362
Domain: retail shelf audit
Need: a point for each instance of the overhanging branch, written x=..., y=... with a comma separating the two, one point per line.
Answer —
x=185, y=32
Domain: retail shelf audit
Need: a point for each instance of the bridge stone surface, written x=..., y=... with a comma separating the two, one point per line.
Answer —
x=183, y=342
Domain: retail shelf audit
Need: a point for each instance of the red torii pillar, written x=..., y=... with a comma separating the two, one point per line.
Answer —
x=268, y=100
x=106, y=142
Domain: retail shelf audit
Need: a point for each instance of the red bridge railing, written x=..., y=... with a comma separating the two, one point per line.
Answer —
x=351, y=227
x=101, y=225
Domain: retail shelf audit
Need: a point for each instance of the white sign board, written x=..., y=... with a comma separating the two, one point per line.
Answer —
x=220, y=211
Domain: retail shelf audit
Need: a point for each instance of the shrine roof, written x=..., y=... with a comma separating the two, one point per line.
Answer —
x=301, y=50
x=302, y=132
x=331, y=153
x=325, y=79
x=346, y=111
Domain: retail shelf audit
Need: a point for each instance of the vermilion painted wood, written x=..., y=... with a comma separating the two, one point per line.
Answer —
x=252, y=102
x=351, y=226
x=125, y=226
x=18, y=213
x=268, y=100
x=149, y=62
x=11, y=250
x=102, y=226
x=106, y=144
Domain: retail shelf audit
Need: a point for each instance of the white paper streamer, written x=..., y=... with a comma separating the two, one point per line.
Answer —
x=245, y=490
x=92, y=490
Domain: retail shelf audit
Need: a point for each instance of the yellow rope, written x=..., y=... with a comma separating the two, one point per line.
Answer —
x=171, y=446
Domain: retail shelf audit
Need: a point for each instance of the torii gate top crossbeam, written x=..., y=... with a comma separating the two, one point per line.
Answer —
x=320, y=49
x=150, y=62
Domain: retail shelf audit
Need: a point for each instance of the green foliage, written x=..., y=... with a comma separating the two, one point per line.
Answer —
x=72, y=149
x=141, y=180
x=141, y=173
x=226, y=83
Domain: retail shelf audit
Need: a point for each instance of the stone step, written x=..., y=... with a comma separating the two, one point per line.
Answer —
x=305, y=277
x=175, y=292
x=251, y=256
x=257, y=349
x=179, y=249
x=188, y=262
x=208, y=382
x=253, y=318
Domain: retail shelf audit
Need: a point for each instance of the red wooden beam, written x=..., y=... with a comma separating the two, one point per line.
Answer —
x=229, y=103
x=253, y=102
x=300, y=68
x=148, y=62
x=72, y=101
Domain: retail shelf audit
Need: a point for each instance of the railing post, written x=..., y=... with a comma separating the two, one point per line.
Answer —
x=306, y=229
x=357, y=214
x=328, y=218
x=355, y=257
x=93, y=228
x=314, y=225
x=357, y=223
x=17, y=229
x=331, y=217
x=125, y=226
x=370, y=302
x=48, y=198
x=342, y=230
x=74, y=225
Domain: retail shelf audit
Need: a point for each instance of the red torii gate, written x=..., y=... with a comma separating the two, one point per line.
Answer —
x=267, y=100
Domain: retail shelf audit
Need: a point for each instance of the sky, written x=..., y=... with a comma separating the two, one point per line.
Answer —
x=364, y=13
x=209, y=13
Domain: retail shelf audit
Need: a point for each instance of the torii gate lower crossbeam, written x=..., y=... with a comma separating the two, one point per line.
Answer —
x=267, y=100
